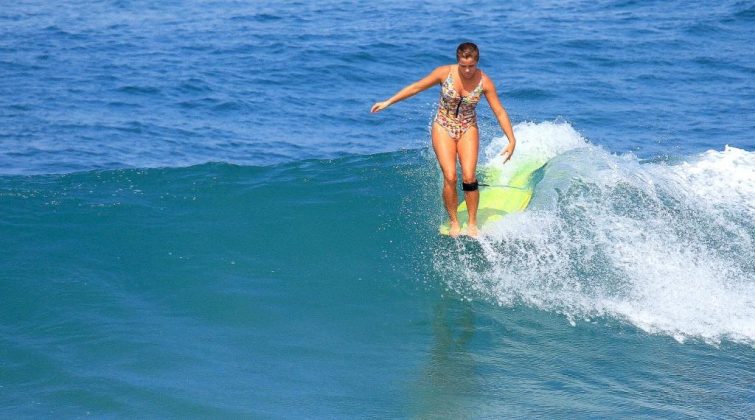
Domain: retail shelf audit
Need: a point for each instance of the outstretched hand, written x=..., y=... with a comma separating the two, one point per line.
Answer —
x=379, y=106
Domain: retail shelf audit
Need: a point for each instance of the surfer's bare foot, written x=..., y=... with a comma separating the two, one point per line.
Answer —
x=472, y=230
x=455, y=229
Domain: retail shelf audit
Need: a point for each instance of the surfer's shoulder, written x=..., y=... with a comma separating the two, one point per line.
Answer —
x=439, y=74
x=443, y=70
x=487, y=82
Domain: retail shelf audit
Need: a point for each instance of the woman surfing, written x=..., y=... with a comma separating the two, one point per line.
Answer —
x=454, y=131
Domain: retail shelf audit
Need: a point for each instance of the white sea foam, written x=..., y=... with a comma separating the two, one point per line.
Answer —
x=666, y=247
x=725, y=179
x=541, y=141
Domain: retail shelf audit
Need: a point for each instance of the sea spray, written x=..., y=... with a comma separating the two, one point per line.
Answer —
x=665, y=247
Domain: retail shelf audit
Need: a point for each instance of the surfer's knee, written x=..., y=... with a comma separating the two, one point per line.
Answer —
x=470, y=186
x=450, y=178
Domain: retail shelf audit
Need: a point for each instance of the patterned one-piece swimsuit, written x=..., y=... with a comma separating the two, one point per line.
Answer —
x=456, y=113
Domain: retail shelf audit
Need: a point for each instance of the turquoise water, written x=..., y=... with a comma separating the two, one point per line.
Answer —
x=200, y=218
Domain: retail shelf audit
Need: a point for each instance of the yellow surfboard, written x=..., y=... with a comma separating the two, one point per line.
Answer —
x=504, y=194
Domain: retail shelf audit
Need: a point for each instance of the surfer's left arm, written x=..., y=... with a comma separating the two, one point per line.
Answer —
x=488, y=88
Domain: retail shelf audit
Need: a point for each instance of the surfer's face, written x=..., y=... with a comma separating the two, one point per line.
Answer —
x=467, y=67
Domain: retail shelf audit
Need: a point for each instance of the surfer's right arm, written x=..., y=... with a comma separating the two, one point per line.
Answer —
x=434, y=78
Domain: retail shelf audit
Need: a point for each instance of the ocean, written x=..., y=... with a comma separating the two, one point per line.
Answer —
x=201, y=218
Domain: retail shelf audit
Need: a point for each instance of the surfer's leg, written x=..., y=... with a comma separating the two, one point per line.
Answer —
x=445, y=151
x=468, y=150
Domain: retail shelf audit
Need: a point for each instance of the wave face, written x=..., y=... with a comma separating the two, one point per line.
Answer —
x=665, y=246
x=224, y=290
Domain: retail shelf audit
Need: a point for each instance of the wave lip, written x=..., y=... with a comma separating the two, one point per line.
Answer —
x=725, y=179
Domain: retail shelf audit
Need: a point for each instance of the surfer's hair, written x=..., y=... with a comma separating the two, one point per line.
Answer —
x=467, y=50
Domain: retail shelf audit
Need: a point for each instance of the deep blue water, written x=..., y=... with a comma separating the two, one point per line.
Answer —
x=200, y=217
